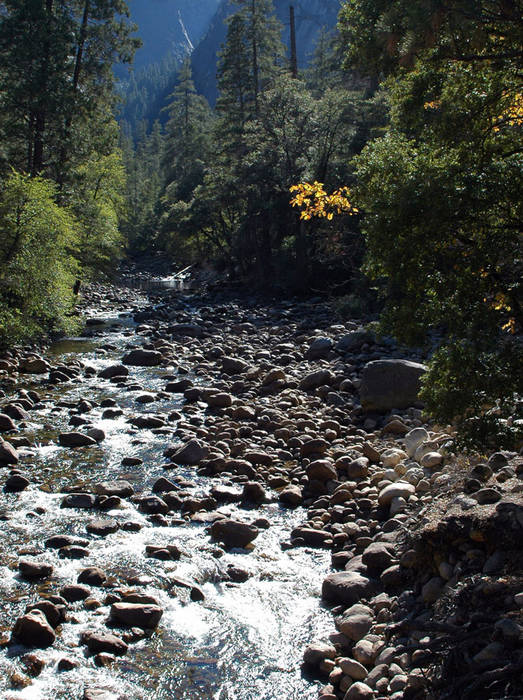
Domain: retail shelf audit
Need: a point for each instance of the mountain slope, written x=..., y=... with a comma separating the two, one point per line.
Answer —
x=166, y=26
x=311, y=17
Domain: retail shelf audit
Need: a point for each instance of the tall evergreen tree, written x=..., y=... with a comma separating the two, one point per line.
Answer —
x=187, y=135
x=252, y=56
x=56, y=77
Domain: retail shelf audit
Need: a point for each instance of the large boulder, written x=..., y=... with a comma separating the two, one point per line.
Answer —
x=387, y=384
x=233, y=533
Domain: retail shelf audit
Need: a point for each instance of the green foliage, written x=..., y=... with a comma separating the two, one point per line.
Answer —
x=476, y=385
x=56, y=78
x=145, y=179
x=98, y=203
x=441, y=192
x=37, y=267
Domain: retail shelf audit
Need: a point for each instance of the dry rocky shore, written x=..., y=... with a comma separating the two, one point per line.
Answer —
x=283, y=403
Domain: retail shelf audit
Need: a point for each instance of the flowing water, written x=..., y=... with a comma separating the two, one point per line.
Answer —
x=243, y=641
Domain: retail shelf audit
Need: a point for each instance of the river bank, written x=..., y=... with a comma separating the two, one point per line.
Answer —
x=181, y=480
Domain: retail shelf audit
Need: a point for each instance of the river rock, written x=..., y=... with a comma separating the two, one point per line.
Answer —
x=120, y=488
x=354, y=468
x=33, y=630
x=487, y=495
x=233, y=533
x=191, y=330
x=378, y=556
x=353, y=340
x=346, y=588
x=97, y=434
x=353, y=668
x=152, y=505
x=359, y=691
x=163, y=485
x=34, y=365
x=356, y=622
x=291, y=495
x=317, y=652
x=316, y=379
x=312, y=537
x=73, y=552
x=319, y=348
x=92, y=576
x=79, y=500
x=136, y=615
x=191, y=453
x=75, y=439
x=400, y=489
x=253, y=492
x=321, y=470
x=8, y=454
x=234, y=365
x=16, y=483
x=59, y=541
x=54, y=614
x=114, y=371
x=110, y=643
x=316, y=447
x=34, y=569
x=74, y=592
x=142, y=358
x=147, y=422
x=102, y=527
x=6, y=423
x=413, y=439
x=387, y=384
x=219, y=400
x=178, y=387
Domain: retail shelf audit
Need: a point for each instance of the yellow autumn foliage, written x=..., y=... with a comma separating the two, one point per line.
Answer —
x=315, y=202
x=512, y=116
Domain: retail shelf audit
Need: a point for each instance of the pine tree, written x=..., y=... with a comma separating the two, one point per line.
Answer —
x=56, y=77
x=187, y=134
x=252, y=56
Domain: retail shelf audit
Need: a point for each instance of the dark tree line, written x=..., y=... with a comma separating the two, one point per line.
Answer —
x=60, y=169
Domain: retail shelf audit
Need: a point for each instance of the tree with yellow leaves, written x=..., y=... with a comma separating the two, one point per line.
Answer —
x=314, y=201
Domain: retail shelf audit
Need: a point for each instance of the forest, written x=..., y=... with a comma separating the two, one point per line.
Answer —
x=261, y=349
x=413, y=110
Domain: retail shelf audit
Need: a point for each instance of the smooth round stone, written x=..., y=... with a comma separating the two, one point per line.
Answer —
x=487, y=495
